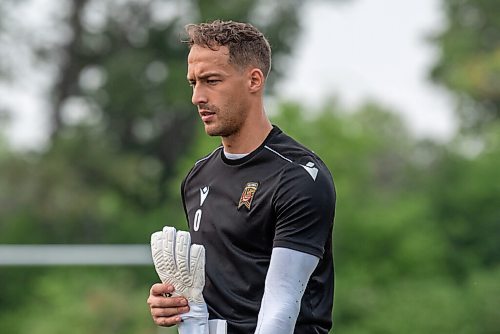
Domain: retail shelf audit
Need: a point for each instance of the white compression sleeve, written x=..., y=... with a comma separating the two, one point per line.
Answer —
x=286, y=280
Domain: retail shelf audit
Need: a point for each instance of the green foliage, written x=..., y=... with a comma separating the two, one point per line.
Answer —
x=464, y=192
x=469, y=63
x=417, y=306
x=84, y=300
x=99, y=196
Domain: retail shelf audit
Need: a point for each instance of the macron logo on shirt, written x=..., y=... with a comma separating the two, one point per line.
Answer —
x=313, y=171
x=203, y=194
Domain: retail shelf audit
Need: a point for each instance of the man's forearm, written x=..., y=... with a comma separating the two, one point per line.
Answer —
x=286, y=281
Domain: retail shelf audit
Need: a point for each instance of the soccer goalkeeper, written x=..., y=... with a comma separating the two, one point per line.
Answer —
x=260, y=208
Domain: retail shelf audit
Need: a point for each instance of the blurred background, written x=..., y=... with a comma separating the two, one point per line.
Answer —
x=401, y=100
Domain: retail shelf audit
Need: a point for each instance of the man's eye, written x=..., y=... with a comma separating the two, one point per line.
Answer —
x=213, y=81
x=192, y=83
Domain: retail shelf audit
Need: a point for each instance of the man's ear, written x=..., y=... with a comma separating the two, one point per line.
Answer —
x=257, y=80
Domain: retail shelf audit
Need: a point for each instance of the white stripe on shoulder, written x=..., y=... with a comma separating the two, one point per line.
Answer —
x=208, y=156
x=281, y=156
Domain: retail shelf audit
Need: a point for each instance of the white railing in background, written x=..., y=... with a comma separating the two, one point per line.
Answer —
x=74, y=255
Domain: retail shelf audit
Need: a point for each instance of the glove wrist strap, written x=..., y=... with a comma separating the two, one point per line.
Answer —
x=195, y=321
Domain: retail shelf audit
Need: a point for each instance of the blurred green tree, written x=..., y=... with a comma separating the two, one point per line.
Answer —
x=465, y=185
x=469, y=61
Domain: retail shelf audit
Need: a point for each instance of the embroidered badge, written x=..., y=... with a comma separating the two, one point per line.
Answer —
x=247, y=195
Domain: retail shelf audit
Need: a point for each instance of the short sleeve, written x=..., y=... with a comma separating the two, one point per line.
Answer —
x=304, y=204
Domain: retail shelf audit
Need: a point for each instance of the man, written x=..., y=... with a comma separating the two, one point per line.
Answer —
x=262, y=205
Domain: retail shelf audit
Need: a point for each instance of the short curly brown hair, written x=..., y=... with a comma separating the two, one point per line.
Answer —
x=247, y=45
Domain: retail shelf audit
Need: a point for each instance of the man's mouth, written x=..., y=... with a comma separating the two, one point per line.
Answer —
x=206, y=115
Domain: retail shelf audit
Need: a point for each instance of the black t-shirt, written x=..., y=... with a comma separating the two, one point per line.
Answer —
x=280, y=195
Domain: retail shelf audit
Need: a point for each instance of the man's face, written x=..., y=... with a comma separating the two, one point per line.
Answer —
x=220, y=90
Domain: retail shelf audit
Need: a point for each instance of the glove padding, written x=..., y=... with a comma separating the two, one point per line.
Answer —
x=179, y=263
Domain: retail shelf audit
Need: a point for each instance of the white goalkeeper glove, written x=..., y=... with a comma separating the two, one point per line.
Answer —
x=182, y=265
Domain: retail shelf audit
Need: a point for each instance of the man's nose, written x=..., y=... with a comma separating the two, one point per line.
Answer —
x=199, y=95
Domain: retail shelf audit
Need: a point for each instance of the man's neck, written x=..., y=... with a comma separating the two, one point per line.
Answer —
x=249, y=138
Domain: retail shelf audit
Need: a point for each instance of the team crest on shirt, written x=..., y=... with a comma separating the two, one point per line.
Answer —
x=247, y=195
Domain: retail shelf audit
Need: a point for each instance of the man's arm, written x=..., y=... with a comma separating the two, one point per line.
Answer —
x=305, y=206
x=286, y=281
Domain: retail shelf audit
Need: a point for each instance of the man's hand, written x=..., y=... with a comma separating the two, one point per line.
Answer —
x=166, y=310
